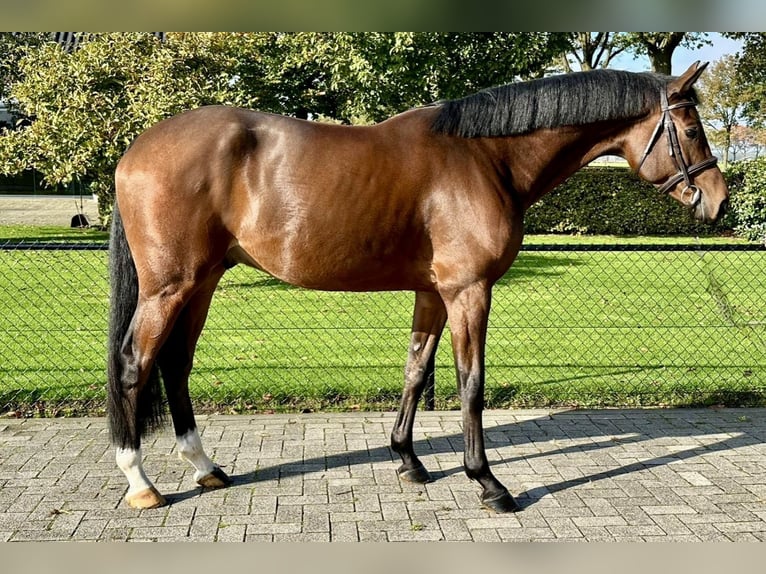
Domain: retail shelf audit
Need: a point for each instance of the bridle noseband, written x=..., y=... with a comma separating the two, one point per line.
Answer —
x=674, y=147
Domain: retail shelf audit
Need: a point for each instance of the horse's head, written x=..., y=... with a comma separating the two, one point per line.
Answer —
x=669, y=149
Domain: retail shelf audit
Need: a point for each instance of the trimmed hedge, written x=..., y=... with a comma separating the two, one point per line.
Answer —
x=747, y=186
x=611, y=201
x=30, y=183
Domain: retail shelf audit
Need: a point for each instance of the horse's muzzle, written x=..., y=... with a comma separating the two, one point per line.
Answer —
x=702, y=212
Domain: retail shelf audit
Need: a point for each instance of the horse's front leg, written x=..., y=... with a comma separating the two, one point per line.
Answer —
x=468, y=311
x=427, y=325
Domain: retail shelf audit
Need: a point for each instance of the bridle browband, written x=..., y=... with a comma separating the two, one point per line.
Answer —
x=674, y=147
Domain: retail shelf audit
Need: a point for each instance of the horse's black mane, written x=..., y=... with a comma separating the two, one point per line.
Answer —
x=568, y=99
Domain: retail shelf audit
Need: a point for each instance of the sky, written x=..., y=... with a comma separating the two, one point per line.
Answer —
x=683, y=57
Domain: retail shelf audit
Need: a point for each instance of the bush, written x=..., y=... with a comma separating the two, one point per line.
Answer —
x=747, y=185
x=611, y=201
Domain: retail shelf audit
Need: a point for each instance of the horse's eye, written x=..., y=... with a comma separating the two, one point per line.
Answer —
x=691, y=133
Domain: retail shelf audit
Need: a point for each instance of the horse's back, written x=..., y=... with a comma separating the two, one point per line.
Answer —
x=317, y=205
x=212, y=139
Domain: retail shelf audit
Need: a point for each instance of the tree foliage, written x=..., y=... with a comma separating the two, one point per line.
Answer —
x=592, y=50
x=612, y=201
x=724, y=102
x=367, y=77
x=747, y=183
x=751, y=70
x=13, y=46
x=87, y=105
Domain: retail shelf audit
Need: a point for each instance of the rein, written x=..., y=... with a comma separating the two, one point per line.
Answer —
x=674, y=147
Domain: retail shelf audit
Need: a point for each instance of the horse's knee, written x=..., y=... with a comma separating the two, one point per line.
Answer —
x=415, y=372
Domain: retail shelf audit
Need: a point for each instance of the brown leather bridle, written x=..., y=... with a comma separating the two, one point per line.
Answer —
x=674, y=147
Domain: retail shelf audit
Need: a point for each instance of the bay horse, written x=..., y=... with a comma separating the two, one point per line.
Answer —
x=431, y=200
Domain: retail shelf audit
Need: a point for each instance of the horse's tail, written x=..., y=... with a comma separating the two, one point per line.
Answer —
x=126, y=425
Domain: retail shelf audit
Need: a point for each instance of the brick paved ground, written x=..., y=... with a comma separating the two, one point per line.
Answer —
x=625, y=475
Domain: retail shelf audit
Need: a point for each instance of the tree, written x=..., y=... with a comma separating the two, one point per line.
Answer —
x=659, y=46
x=88, y=105
x=365, y=77
x=751, y=74
x=723, y=101
x=747, y=140
x=591, y=50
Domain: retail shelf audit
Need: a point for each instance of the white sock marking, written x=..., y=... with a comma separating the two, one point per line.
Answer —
x=190, y=449
x=129, y=461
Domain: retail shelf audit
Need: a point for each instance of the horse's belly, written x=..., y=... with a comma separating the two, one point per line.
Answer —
x=331, y=269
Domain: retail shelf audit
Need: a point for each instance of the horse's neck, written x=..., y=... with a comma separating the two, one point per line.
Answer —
x=537, y=162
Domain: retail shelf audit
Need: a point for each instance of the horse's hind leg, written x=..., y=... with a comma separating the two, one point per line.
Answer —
x=175, y=363
x=427, y=325
x=136, y=402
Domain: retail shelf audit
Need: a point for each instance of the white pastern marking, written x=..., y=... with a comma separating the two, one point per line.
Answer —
x=190, y=449
x=129, y=461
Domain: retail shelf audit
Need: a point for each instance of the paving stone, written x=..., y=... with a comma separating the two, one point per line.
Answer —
x=231, y=533
x=416, y=535
x=671, y=524
x=454, y=530
x=485, y=535
x=525, y=534
x=621, y=475
x=598, y=521
x=564, y=528
x=344, y=532
x=89, y=530
x=665, y=509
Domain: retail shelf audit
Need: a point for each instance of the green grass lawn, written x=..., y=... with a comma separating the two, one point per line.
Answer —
x=567, y=328
x=50, y=234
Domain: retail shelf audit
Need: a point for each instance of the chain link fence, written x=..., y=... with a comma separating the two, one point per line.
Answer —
x=580, y=325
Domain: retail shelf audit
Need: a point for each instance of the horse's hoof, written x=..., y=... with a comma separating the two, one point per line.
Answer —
x=501, y=503
x=419, y=474
x=147, y=498
x=215, y=479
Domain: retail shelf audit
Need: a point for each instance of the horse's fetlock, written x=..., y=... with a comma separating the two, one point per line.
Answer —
x=476, y=467
x=398, y=444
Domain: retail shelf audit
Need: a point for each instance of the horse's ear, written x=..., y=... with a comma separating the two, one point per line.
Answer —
x=683, y=83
